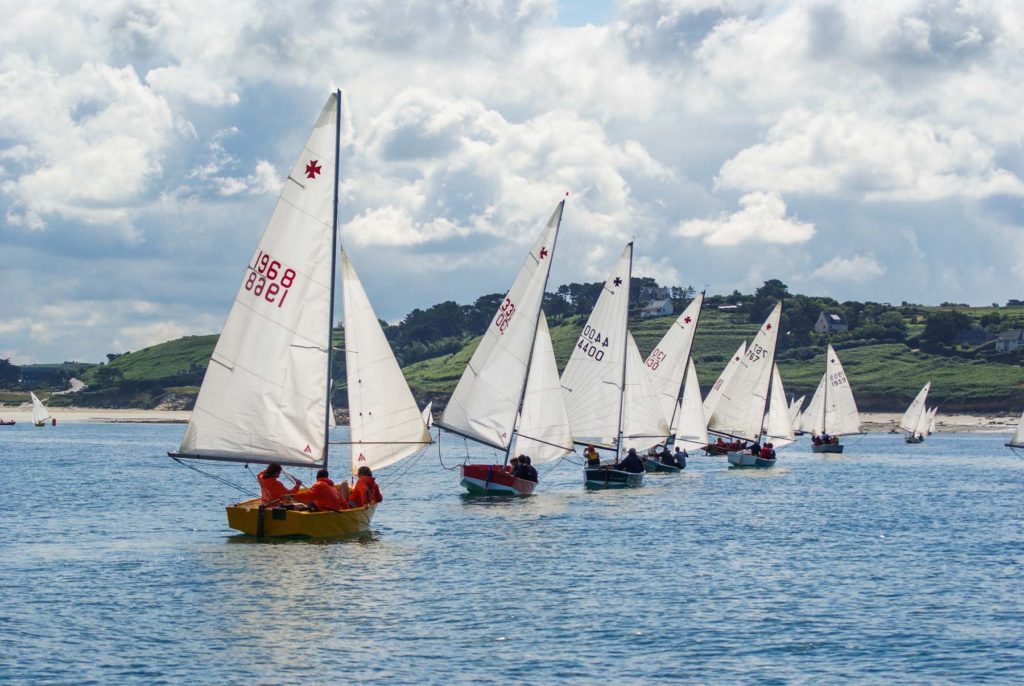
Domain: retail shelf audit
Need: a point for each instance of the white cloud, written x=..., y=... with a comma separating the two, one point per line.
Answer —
x=856, y=268
x=761, y=219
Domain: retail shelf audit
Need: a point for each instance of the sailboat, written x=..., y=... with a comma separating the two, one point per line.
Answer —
x=506, y=394
x=778, y=429
x=666, y=367
x=1017, y=440
x=915, y=419
x=691, y=425
x=40, y=415
x=594, y=380
x=795, y=414
x=711, y=400
x=265, y=397
x=931, y=420
x=832, y=410
x=740, y=411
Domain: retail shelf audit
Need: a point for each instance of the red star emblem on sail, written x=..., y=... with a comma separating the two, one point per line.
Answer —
x=312, y=169
x=543, y=253
x=767, y=327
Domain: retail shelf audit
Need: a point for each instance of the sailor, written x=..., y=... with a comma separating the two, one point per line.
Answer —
x=680, y=457
x=525, y=470
x=631, y=463
x=593, y=459
x=323, y=495
x=755, y=449
x=271, y=489
x=365, y=491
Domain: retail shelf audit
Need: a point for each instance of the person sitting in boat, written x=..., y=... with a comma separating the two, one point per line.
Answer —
x=512, y=466
x=525, y=470
x=631, y=463
x=825, y=438
x=593, y=459
x=755, y=449
x=816, y=440
x=835, y=440
x=666, y=458
x=720, y=443
x=271, y=489
x=365, y=491
x=324, y=496
x=766, y=452
x=680, y=458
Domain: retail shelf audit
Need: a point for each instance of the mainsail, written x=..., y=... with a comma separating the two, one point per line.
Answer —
x=741, y=407
x=666, y=364
x=593, y=378
x=691, y=425
x=643, y=423
x=40, y=415
x=1017, y=440
x=911, y=419
x=264, y=397
x=386, y=425
x=486, y=401
x=711, y=400
x=833, y=409
x=543, y=429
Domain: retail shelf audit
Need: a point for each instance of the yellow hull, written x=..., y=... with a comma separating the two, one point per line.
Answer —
x=245, y=517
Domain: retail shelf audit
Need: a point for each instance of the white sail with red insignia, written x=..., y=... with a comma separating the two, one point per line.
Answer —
x=644, y=425
x=711, y=400
x=666, y=365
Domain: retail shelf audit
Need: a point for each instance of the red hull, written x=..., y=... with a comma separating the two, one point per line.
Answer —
x=493, y=479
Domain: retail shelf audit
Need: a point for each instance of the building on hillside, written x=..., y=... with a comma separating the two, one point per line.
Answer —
x=830, y=322
x=1011, y=340
x=657, y=308
x=655, y=293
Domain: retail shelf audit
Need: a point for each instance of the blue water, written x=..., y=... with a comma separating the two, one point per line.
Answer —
x=896, y=563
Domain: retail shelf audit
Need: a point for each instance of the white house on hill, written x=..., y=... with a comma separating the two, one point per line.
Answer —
x=830, y=322
x=657, y=308
x=1008, y=341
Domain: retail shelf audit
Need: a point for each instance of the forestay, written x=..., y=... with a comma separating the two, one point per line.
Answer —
x=691, y=429
x=40, y=414
x=264, y=396
x=666, y=364
x=740, y=410
x=486, y=401
x=386, y=425
x=711, y=401
x=543, y=431
x=593, y=377
x=643, y=424
x=778, y=428
x=912, y=417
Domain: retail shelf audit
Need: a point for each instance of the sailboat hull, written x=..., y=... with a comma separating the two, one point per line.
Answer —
x=600, y=477
x=915, y=439
x=746, y=460
x=246, y=517
x=830, y=448
x=492, y=479
x=657, y=466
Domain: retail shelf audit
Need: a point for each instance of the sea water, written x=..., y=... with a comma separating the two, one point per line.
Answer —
x=891, y=563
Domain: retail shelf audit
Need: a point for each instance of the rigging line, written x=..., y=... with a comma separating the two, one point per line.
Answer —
x=221, y=479
x=439, y=458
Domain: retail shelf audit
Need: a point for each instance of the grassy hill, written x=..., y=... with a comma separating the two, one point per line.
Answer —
x=885, y=376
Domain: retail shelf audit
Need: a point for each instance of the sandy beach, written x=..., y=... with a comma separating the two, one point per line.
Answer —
x=872, y=421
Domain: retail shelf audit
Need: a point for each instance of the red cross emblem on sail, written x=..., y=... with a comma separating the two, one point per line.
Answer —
x=543, y=253
x=687, y=320
x=312, y=169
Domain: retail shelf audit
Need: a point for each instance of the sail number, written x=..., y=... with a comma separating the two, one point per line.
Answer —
x=837, y=379
x=756, y=352
x=656, y=357
x=505, y=312
x=269, y=279
x=591, y=342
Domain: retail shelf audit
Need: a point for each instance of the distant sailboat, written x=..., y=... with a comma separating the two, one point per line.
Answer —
x=711, y=399
x=40, y=415
x=833, y=410
x=265, y=397
x=495, y=401
x=931, y=420
x=594, y=381
x=740, y=411
x=1017, y=440
x=691, y=427
x=915, y=419
x=795, y=414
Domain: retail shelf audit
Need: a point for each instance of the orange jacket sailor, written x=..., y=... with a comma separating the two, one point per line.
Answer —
x=365, y=491
x=272, y=490
x=323, y=494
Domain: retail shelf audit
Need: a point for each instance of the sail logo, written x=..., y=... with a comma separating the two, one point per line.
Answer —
x=312, y=169
x=361, y=458
x=307, y=450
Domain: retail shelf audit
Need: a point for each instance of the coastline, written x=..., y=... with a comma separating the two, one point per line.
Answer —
x=871, y=421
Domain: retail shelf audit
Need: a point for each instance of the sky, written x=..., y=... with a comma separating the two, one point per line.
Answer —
x=866, y=150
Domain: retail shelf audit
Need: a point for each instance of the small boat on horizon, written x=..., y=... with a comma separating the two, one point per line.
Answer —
x=832, y=411
x=915, y=420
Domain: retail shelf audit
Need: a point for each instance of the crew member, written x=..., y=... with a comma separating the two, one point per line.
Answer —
x=271, y=489
x=323, y=495
x=365, y=491
x=631, y=463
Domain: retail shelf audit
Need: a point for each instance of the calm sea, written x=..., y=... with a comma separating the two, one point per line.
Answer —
x=893, y=564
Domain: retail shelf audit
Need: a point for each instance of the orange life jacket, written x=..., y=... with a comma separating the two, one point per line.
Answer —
x=365, y=492
x=273, y=490
x=323, y=494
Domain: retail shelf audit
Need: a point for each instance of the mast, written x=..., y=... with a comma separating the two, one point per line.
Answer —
x=334, y=277
x=625, y=351
x=536, y=322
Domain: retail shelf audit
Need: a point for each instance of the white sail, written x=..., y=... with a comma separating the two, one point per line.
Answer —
x=643, y=423
x=778, y=428
x=740, y=409
x=428, y=416
x=812, y=421
x=794, y=411
x=931, y=420
x=385, y=423
x=841, y=416
x=264, y=396
x=666, y=364
x=711, y=400
x=592, y=379
x=912, y=417
x=691, y=430
x=1017, y=440
x=40, y=415
x=486, y=401
x=543, y=431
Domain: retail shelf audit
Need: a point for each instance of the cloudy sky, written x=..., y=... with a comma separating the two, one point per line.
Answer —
x=852, y=148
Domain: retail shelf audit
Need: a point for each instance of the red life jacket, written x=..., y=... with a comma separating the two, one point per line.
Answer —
x=323, y=494
x=365, y=492
x=273, y=490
